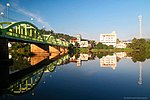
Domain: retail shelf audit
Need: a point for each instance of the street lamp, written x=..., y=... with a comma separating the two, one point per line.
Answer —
x=7, y=5
x=31, y=19
x=1, y=14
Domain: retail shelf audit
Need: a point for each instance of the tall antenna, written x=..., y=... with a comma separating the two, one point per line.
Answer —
x=140, y=25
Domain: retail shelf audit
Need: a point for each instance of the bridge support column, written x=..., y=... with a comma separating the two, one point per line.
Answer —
x=3, y=49
x=62, y=49
x=54, y=51
x=66, y=50
x=40, y=49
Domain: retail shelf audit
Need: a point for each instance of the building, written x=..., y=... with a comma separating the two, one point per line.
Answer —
x=82, y=43
x=109, y=39
x=73, y=41
x=78, y=38
x=121, y=45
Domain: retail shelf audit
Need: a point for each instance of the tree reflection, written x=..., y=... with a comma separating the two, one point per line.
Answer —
x=139, y=56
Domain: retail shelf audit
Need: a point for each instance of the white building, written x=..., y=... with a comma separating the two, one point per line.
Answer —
x=121, y=45
x=109, y=39
x=78, y=38
x=82, y=43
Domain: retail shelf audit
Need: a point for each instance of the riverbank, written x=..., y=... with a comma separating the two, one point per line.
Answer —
x=87, y=50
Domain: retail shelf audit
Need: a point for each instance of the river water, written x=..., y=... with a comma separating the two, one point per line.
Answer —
x=80, y=77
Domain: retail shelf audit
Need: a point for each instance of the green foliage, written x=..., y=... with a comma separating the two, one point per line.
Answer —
x=76, y=45
x=139, y=44
x=92, y=44
x=82, y=50
x=118, y=41
x=20, y=48
x=100, y=55
x=103, y=46
x=139, y=56
x=57, y=35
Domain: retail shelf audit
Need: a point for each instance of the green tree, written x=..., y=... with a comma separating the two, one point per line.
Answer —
x=118, y=41
x=138, y=44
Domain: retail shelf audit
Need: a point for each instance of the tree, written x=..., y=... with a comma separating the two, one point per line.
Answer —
x=118, y=41
x=76, y=44
x=138, y=44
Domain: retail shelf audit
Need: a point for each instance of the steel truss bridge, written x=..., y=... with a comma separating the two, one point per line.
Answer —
x=28, y=32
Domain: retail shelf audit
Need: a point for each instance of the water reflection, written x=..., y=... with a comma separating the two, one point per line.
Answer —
x=25, y=73
x=140, y=74
x=24, y=80
x=109, y=61
x=78, y=58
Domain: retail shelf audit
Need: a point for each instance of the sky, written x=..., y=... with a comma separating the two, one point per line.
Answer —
x=90, y=18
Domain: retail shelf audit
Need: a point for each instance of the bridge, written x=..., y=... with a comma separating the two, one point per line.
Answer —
x=26, y=80
x=26, y=32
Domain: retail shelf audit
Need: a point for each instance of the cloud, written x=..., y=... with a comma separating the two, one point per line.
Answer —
x=2, y=8
x=31, y=14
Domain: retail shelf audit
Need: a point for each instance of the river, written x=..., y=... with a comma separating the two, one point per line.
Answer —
x=114, y=76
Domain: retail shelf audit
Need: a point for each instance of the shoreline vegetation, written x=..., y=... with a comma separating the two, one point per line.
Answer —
x=137, y=45
x=87, y=50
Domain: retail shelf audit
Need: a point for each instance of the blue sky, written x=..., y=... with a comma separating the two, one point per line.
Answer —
x=89, y=18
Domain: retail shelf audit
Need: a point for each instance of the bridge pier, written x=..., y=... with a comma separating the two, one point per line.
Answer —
x=54, y=51
x=66, y=50
x=46, y=50
x=62, y=49
x=40, y=49
x=3, y=49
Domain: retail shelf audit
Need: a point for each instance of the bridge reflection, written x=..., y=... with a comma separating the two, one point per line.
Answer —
x=25, y=80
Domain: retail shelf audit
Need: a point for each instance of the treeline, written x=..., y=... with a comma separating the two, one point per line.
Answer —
x=57, y=35
x=139, y=44
x=141, y=50
x=140, y=56
x=103, y=46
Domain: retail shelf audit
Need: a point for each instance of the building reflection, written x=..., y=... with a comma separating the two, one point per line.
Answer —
x=81, y=57
x=121, y=54
x=111, y=60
